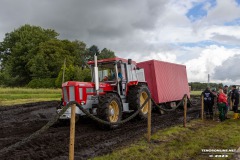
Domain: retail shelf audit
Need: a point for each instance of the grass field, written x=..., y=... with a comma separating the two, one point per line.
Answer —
x=195, y=93
x=183, y=143
x=10, y=96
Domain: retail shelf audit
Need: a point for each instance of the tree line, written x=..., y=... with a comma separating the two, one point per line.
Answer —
x=34, y=57
x=197, y=86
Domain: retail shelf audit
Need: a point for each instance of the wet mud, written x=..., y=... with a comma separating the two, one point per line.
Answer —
x=20, y=121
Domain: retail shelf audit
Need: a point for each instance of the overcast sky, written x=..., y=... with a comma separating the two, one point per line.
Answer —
x=204, y=35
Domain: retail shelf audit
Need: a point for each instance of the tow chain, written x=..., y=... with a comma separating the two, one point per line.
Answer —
x=106, y=122
x=95, y=118
x=172, y=109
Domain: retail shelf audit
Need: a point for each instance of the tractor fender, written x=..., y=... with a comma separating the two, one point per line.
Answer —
x=116, y=94
x=134, y=83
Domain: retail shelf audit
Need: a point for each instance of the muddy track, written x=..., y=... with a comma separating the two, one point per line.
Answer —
x=20, y=121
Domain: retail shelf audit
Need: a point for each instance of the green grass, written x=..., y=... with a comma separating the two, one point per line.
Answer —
x=196, y=93
x=183, y=143
x=9, y=90
x=10, y=96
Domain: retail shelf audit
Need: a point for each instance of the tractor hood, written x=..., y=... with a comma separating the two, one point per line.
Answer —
x=80, y=84
x=102, y=86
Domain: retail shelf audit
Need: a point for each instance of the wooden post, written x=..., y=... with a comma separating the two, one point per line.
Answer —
x=185, y=111
x=149, y=120
x=72, y=133
x=202, y=103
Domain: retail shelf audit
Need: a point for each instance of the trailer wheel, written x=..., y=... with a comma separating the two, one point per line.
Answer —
x=110, y=109
x=137, y=96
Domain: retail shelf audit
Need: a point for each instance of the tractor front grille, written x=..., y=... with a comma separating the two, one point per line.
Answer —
x=65, y=94
x=81, y=93
x=71, y=93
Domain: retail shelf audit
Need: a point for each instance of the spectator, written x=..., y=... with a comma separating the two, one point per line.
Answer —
x=208, y=103
x=222, y=104
x=235, y=100
x=225, y=91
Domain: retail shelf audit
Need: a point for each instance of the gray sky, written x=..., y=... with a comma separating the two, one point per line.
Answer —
x=202, y=34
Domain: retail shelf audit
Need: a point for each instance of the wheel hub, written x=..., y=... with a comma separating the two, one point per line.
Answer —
x=111, y=112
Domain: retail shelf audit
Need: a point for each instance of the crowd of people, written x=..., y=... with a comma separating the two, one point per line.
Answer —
x=225, y=101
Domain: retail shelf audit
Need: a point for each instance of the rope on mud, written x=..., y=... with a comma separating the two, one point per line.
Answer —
x=106, y=122
x=168, y=110
x=35, y=134
x=189, y=101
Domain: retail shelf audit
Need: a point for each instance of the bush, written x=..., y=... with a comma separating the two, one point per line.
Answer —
x=74, y=74
x=42, y=83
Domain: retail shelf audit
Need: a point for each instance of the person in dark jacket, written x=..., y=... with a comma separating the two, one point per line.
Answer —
x=208, y=102
x=225, y=89
x=235, y=100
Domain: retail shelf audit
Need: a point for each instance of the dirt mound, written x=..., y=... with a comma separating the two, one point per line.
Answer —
x=20, y=121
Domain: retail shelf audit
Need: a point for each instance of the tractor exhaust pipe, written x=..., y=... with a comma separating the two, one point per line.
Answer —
x=96, y=75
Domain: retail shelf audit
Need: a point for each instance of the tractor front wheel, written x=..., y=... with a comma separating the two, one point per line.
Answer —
x=110, y=109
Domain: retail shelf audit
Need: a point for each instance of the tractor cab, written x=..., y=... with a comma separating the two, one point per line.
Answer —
x=115, y=71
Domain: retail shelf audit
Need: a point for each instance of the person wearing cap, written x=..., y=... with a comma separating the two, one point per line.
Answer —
x=208, y=102
x=235, y=100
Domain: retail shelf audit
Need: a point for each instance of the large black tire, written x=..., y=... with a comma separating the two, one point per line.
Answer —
x=109, y=109
x=136, y=97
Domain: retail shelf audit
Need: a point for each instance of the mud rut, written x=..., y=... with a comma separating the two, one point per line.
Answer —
x=20, y=121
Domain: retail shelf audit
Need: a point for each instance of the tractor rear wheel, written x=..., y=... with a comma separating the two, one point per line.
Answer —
x=137, y=96
x=110, y=109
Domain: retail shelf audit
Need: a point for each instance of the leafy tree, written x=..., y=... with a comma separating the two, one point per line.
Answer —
x=50, y=57
x=197, y=86
x=69, y=75
x=38, y=67
x=32, y=55
x=73, y=74
x=79, y=53
x=106, y=53
x=18, y=48
x=83, y=75
x=89, y=55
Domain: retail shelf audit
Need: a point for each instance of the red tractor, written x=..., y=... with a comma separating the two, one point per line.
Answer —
x=117, y=87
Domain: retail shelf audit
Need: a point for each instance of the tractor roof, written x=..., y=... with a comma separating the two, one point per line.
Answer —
x=109, y=60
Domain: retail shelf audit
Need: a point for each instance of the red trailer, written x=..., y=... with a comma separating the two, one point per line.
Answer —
x=166, y=81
